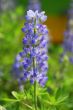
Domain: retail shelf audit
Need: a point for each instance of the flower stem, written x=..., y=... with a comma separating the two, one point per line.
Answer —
x=35, y=96
x=35, y=83
x=35, y=87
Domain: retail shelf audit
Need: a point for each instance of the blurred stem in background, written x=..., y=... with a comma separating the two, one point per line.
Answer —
x=6, y=5
x=34, y=5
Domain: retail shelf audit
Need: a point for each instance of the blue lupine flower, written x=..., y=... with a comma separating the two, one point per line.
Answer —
x=32, y=61
x=68, y=36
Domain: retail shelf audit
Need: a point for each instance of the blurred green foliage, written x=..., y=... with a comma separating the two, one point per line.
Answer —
x=51, y=7
x=55, y=7
x=10, y=33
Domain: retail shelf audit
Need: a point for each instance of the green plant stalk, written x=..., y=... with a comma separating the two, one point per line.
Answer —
x=35, y=83
x=35, y=95
x=35, y=88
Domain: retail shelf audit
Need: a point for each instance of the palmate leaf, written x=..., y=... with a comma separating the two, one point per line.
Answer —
x=10, y=102
x=50, y=100
x=20, y=95
x=19, y=98
x=61, y=100
x=15, y=94
x=60, y=97
x=24, y=98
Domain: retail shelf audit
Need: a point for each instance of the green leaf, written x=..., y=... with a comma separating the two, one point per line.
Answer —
x=61, y=99
x=20, y=95
x=28, y=106
x=61, y=96
x=9, y=100
x=15, y=94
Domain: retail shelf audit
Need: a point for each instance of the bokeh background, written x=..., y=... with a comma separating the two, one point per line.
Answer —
x=12, y=14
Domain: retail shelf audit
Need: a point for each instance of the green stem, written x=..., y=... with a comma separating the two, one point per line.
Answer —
x=35, y=83
x=35, y=87
x=35, y=96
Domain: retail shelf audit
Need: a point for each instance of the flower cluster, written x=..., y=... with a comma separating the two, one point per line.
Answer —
x=68, y=36
x=32, y=61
